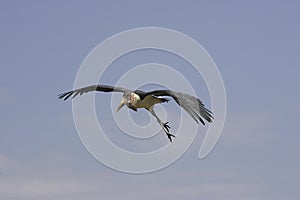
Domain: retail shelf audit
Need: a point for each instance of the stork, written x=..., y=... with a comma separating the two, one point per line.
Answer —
x=140, y=99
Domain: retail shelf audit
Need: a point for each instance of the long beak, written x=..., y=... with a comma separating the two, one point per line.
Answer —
x=123, y=101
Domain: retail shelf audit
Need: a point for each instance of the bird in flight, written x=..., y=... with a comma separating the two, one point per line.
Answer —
x=139, y=99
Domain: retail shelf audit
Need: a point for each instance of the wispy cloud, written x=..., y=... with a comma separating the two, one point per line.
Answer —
x=6, y=163
x=52, y=178
x=220, y=191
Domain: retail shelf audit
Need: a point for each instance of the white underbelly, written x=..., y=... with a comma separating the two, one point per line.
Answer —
x=147, y=102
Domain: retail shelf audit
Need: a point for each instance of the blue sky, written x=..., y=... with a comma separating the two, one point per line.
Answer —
x=256, y=46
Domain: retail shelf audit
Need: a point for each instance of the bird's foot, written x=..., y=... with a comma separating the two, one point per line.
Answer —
x=170, y=136
x=166, y=126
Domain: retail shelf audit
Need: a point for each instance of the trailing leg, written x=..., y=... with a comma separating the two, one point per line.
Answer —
x=164, y=126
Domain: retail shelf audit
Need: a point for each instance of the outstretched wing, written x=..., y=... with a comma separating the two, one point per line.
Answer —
x=100, y=88
x=192, y=105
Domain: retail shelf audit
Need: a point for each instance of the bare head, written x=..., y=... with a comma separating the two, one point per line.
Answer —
x=125, y=100
x=129, y=99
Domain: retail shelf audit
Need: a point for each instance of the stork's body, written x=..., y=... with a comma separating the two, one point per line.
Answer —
x=135, y=101
x=140, y=99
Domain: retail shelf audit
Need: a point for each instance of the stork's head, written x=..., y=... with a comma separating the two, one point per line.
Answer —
x=129, y=99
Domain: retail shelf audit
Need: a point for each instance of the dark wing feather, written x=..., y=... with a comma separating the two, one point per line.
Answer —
x=192, y=105
x=100, y=88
